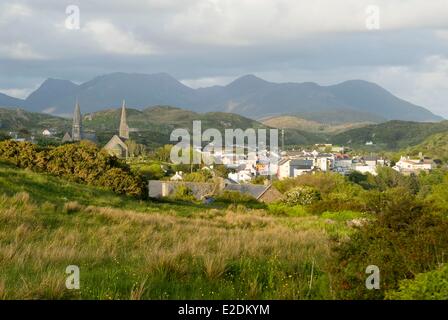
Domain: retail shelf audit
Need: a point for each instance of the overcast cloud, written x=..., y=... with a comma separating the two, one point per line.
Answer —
x=207, y=42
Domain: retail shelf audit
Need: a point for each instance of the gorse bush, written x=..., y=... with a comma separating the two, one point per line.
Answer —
x=22, y=154
x=79, y=162
x=303, y=195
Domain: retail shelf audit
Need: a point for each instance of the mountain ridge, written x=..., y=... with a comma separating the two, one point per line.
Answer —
x=249, y=96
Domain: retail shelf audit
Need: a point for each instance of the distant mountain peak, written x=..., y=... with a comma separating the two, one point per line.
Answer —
x=247, y=82
x=248, y=95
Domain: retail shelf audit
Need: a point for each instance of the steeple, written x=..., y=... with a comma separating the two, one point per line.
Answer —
x=77, y=123
x=124, y=129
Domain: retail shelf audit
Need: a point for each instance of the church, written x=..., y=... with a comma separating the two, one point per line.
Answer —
x=78, y=133
x=117, y=144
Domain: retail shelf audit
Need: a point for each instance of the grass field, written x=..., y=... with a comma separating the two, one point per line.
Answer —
x=129, y=249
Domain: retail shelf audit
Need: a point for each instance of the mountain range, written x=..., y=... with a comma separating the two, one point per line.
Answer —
x=250, y=96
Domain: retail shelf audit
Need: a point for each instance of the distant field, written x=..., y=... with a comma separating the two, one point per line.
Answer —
x=128, y=249
x=294, y=122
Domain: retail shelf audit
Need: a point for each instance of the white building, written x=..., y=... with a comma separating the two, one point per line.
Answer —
x=408, y=165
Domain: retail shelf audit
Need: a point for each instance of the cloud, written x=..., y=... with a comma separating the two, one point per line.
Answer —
x=113, y=40
x=207, y=42
x=19, y=51
x=207, y=82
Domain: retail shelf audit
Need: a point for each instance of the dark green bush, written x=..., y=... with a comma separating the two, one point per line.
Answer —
x=21, y=154
x=403, y=241
x=431, y=285
x=80, y=162
x=235, y=197
x=183, y=193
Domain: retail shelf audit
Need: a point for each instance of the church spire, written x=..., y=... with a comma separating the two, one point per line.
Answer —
x=77, y=123
x=124, y=129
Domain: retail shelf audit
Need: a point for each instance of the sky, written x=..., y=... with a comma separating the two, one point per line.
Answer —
x=401, y=45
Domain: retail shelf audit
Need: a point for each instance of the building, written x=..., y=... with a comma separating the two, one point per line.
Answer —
x=77, y=124
x=47, y=133
x=343, y=163
x=290, y=168
x=117, y=144
x=202, y=190
x=406, y=165
x=78, y=133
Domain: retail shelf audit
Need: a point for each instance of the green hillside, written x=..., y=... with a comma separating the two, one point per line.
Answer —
x=435, y=146
x=298, y=123
x=153, y=126
x=392, y=135
x=15, y=119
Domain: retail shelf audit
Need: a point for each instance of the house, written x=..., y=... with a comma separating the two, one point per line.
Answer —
x=178, y=176
x=117, y=144
x=290, y=168
x=406, y=165
x=343, y=163
x=67, y=138
x=240, y=176
x=46, y=133
x=363, y=168
x=202, y=190
x=263, y=193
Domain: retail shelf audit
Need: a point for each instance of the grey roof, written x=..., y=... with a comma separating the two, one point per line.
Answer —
x=301, y=164
x=255, y=190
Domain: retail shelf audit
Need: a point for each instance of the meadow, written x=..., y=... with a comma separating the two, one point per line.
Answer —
x=138, y=249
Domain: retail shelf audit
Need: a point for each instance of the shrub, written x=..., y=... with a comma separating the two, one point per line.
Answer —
x=323, y=182
x=20, y=154
x=183, y=193
x=303, y=195
x=281, y=209
x=235, y=197
x=79, y=162
x=121, y=181
x=152, y=171
x=431, y=285
x=403, y=240
x=198, y=176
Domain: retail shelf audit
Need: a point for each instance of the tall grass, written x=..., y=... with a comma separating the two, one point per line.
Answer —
x=131, y=249
x=124, y=254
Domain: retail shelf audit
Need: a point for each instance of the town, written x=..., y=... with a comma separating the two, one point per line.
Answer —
x=249, y=169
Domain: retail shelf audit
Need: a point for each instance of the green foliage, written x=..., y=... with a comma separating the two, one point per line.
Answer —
x=324, y=182
x=281, y=209
x=78, y=162
x=435, y=146
x=163, y=154
x=403, y=240
x=135, y=149
x=198, y=176
x=431, y=285
x=303, y=195
x=235, y=197
x=391, y=135
x=151, y=171
x=183, y=193
x=21, y=154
